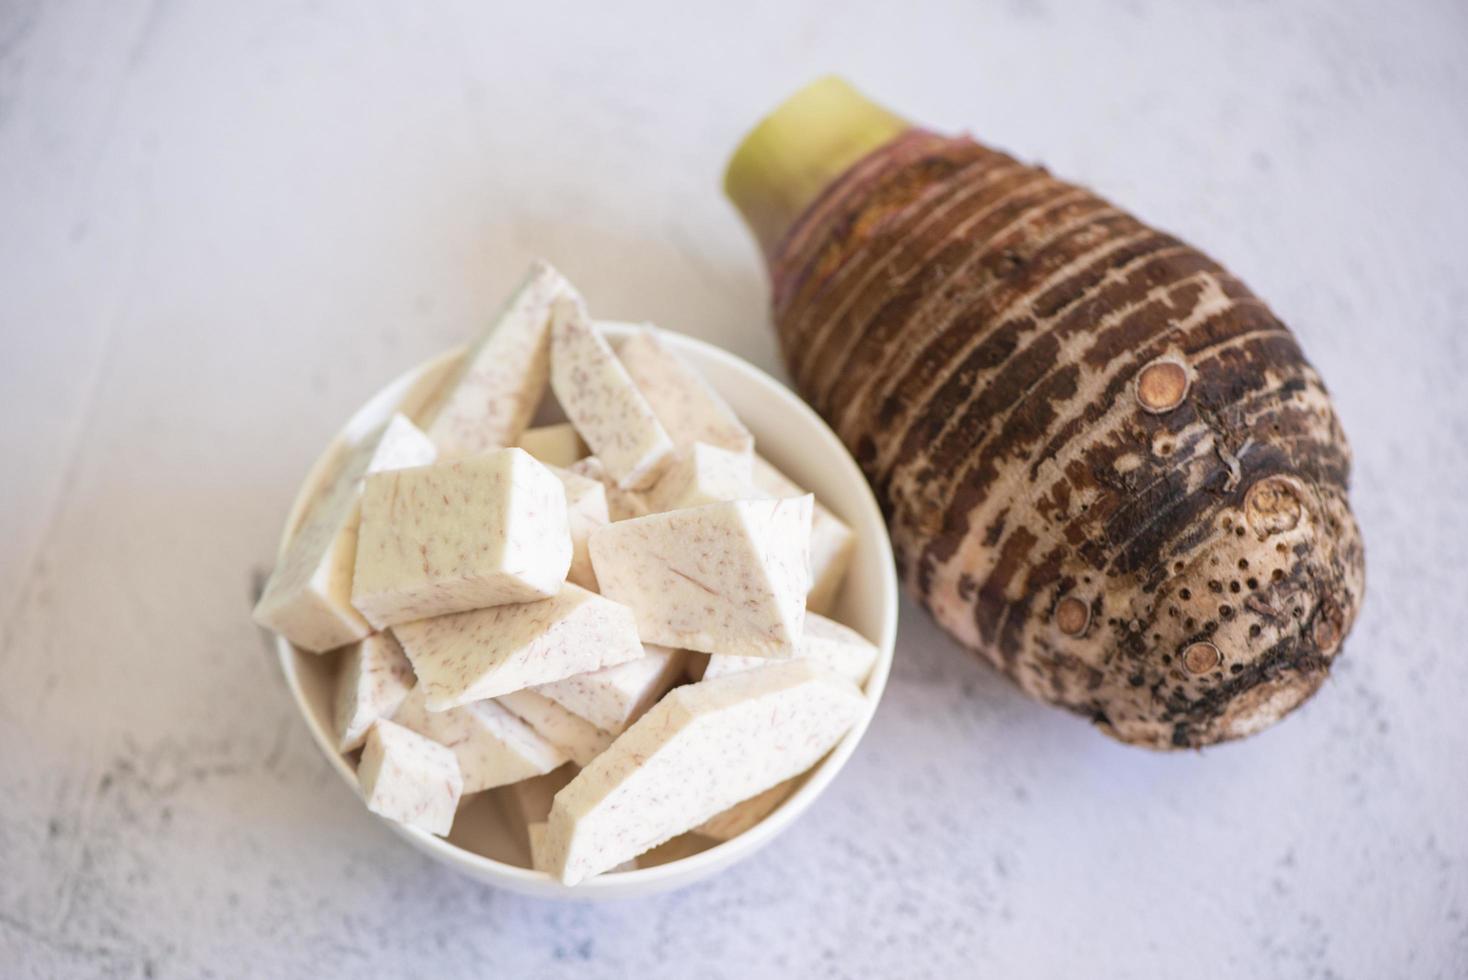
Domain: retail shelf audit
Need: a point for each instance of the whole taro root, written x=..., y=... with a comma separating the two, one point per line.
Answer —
x=1106, y=465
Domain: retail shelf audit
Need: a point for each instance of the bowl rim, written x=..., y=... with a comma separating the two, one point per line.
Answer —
x=725, y=853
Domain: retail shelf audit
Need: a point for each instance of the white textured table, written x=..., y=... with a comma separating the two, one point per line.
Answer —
x=220, y=229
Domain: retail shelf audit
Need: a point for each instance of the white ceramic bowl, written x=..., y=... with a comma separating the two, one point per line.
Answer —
x=789, y=434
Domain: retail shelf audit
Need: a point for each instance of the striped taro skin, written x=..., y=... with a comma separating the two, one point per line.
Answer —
x=1106, y=465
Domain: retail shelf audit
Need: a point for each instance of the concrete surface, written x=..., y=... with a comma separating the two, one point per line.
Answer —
x=221, y=226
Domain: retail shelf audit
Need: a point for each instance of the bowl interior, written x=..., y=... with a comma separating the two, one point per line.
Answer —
x=787, y=433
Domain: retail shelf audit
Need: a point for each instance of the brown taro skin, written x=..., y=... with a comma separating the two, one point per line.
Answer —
x=1106, y=465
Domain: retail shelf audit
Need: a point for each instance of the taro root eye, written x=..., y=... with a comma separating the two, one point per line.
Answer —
x=1200, y=658
x=1162, y=385
x=1273, y=505
x=1327, y=629
x=1072, y=616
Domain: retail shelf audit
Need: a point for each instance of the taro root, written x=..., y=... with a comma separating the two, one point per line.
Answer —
x=1106, y=465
